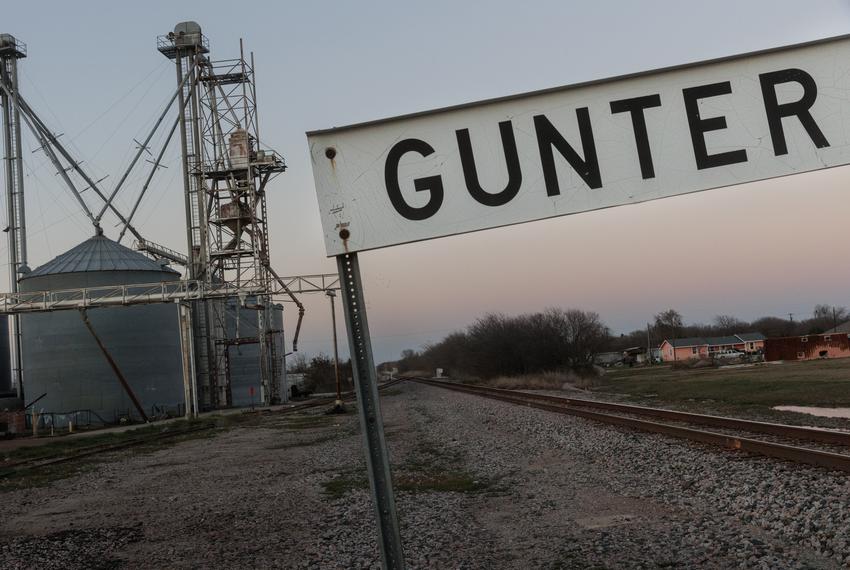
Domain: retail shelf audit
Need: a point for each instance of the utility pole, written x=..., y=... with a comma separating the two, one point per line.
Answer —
x=648, y=345
x=338, y=407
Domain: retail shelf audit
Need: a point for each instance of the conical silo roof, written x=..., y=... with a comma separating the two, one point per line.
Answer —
x=98, y=253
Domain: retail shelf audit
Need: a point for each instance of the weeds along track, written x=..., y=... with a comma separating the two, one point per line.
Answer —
x=760, y=438
x=65, y=455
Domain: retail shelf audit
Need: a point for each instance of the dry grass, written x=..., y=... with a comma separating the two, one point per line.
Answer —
x=541, y=381
x=418, y=373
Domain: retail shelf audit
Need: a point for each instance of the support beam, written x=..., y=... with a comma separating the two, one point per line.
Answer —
x=187, y=351
x=114, y=366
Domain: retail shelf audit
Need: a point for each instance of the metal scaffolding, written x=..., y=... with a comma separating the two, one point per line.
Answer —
x=225, y=173
x=226, y=170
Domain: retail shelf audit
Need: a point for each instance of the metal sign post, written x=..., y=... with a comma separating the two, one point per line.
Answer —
x=369, y=409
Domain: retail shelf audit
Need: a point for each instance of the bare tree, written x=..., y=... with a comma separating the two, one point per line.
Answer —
x=824, y=311
x=727, y=324
x=825, y=317
x=586, y=336
x=298, y=363
x=669, y=322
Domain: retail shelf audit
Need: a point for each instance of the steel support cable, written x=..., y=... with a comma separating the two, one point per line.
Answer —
x=148, y=180
x=162, y=67
x=45, y=145
x=142, y=147
x=33, y=173
x=45, y=132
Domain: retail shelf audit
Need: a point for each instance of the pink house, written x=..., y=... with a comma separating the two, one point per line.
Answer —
x=704, y=347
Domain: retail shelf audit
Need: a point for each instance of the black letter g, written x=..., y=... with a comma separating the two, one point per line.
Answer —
x=433, y=184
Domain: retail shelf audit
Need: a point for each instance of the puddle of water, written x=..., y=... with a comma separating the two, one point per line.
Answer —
x=822, y=412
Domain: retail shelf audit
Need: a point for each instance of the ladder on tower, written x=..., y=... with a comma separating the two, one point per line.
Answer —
x=10, y=51
x=204, y=317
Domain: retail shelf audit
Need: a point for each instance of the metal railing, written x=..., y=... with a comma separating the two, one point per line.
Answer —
x=120, y=295
x=152, y=293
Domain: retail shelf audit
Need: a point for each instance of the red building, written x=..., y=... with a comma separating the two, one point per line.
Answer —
x=810, y=347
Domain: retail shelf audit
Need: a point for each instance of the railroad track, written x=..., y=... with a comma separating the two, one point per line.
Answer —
x=645, y=419
x=11, y=468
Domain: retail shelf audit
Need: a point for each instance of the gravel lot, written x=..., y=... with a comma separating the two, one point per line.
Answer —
x=480, y=484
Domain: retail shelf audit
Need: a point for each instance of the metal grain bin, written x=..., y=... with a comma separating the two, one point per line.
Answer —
x=62, y=359
x=244, y=358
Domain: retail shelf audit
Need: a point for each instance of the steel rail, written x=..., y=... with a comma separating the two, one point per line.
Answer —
x=766, y=428
x=563, y=406
x=16, y=467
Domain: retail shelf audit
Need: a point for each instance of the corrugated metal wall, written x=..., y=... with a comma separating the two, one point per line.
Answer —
x=245, y=358
x=809, y=347
x=62, y=359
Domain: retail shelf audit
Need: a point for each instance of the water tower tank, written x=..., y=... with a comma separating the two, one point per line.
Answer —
x=62, y=360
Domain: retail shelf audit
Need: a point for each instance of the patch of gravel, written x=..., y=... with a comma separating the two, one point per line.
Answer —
x=480, y=484
x=704, y=508
x=83, y=549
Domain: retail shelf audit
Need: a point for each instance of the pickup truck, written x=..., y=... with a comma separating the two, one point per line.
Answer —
x=728, y=354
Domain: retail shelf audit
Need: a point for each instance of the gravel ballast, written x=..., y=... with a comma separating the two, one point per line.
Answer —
x=479, y=484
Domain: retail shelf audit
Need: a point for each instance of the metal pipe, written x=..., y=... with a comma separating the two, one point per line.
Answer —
x=332, y=296
x=184, y=147
x=22, y=219
x=294, y=300
x=198, y=153
x=21, y=235
x=187, y=351
x=11, y=217
x=262, y=327
x=114, y=367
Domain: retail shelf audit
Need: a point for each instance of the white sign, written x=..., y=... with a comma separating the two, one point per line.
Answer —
x=584, y=147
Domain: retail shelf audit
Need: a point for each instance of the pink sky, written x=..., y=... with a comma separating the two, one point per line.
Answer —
x=764, y=248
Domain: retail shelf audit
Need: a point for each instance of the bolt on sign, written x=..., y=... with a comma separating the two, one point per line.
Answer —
x=584, y=147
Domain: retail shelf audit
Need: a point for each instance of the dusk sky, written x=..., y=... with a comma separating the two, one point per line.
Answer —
x=768, y=248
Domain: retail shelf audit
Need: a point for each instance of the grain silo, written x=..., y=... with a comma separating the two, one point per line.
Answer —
x=243, y=358
x=62, y=359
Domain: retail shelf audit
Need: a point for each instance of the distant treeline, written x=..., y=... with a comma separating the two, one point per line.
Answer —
x=669, y=325
x=501, y=345
x=561, y=340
